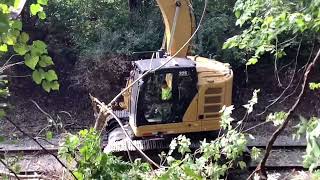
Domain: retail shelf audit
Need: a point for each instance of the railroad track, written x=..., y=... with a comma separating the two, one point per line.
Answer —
x=34, y=161
x=27, y=151
x=285, y=157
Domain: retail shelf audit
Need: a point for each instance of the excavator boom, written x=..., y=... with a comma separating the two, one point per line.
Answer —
x=179, y=23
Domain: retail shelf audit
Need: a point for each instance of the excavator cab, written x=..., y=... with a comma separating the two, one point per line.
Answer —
x=153, y=107
x=198, y=90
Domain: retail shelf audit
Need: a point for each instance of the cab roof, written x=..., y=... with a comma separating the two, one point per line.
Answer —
x=147, y=64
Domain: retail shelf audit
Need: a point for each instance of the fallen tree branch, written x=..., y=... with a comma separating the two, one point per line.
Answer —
x=42, y=147
x=9, y=65
x=100, y=115
x=261, y=168
x=127, y=135
x=105, y=108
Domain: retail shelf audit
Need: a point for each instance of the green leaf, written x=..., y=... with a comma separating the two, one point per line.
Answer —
x=42, y=2
x=21, y=49
x=237, y=14
x=45, y=61
x=83, y=133
x=74, y=141
x=24, y=37
x=42, y=15
x=3, y=48
x=4, y=23
x=38, y=76
x=4, y=8
x=2, y=139
x=315, y=147
x=10, y=39
x=35, y=8
x=268, y=20
x=252, y=61
x=255, y=153
x=231, y=42
x=16, y=4
x=51, y=75
x=242, y=165
x=17, y=25
x=277, y=117
x=300, y=22
x=49, y=135
x=46, y=86
x=31, y=61
x=38, y=48
x=2, y=113
x=15, y=33
x=39, y=44
x=55, y=85
x=314, y=86
x=78, y=174
x=191, y=173
x=16, y=168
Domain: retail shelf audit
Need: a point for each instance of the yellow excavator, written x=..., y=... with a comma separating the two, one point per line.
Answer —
x=184, y=96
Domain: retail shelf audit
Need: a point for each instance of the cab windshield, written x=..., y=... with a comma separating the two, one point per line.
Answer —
x=165, y=97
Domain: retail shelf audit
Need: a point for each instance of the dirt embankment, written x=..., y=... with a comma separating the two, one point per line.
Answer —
x=274, y=97
x=70, y=108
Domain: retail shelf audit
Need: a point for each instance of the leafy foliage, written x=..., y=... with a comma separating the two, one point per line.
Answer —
x=277, y=118
x=4, y=94
x=35, y=53
x=91, y=163
x=271, y=26
x=111, y=28
x=218, y=25
x=314, y=86
x=255, y=153
x=252, y=102
x=268, y=21
x=211, y=161
x=14, y=40
x=310, y=128
x=107, y=27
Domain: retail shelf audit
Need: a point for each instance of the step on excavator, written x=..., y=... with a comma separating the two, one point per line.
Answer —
x=184, y=96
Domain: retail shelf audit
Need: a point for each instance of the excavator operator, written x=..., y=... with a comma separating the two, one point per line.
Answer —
x=166, y=92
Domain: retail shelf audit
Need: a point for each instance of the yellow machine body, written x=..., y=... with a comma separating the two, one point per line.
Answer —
x=214, y=79
x=203, y=113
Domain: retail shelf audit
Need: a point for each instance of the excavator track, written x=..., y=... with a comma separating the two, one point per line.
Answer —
x=125, y=145
x=115, y=141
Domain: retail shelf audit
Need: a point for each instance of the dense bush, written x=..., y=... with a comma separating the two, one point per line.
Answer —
x=107, y=27
x=219, y=25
